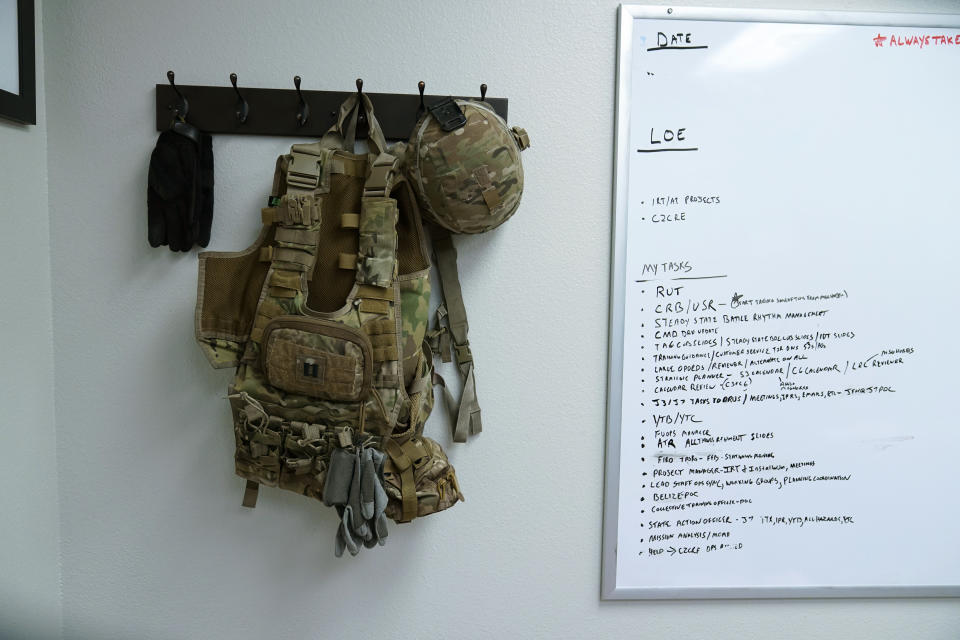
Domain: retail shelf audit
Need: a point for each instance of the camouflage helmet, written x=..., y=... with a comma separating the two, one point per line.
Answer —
x=464, y=165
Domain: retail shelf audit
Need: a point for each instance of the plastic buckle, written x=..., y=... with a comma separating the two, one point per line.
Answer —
x=304, y=171
x=464, y=356
x=448, y=114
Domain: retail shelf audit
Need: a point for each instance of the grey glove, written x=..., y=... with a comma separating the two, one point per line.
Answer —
x=368, y=484
x=354, y=484
x=336, y=488
x=357, y=521
x=344, y=538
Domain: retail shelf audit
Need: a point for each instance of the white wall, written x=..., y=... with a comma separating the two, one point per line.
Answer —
x=155, y=543
x=29, y=525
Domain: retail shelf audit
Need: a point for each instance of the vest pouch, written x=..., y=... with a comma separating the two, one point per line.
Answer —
x=317, y=358
x=304, y=460
x=259, y=439
x=228, y=292
x=434, y=481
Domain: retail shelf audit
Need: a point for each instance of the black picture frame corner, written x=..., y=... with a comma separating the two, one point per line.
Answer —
x=22, y=107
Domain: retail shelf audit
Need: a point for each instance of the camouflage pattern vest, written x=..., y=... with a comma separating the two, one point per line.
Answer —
x=325, y=318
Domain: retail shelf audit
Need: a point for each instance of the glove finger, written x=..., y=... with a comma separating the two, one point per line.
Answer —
x=368, y=484
x=336, y=488
x=156, y=221
x=381, y=528
x=173, y=220
x=363, y=532
x=379, y=495
x=355, y=493
x=166, y=175
x=378, y=458
x=348, y=540
x=190, y=161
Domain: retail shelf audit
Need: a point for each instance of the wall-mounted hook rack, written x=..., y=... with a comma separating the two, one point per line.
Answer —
x=273, y=112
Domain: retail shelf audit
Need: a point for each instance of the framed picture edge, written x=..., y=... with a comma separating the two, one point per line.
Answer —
x=22, y=107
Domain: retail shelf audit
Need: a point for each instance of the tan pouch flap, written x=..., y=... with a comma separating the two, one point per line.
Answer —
x=317, y=358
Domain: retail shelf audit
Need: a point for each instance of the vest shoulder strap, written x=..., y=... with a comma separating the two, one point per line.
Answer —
x=453, y=313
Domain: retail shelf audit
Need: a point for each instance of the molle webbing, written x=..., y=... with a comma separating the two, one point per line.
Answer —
x=302, y=209
x=383, y=337
x=292, y=259
x=377, y=224
x=404, y=456
x=377, y=259
x=331, y=285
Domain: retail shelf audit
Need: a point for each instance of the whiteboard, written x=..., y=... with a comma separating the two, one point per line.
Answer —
x=782, y=391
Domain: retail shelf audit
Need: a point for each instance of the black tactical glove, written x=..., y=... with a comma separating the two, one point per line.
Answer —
x=180, y=191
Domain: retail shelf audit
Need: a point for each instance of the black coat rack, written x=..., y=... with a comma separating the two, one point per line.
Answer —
x=288, y=112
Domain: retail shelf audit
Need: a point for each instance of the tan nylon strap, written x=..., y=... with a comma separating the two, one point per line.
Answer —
x=375, y=293
x=490, y=194
x=286, y=279
x=492, y=197
x=468, y=414
x=348, y=167
x=446, y=255
x=250, y=494
x=381, y=328
x=347, y=261
x=374, y=306
x=268, y=215
x=386, y=354
x=346, y=124
x=270, y=310
x=350, y=221
x=414, y=451
x=297, y=236
x=419, y=385
x=283, y=254
x=279, y=184
x=408, y=488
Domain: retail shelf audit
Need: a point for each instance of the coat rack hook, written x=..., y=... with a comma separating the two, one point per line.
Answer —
x=183, y=107
x=420, y=87
x=362, y=112
x=303, y=113
x=243, y=109
x=483, y=92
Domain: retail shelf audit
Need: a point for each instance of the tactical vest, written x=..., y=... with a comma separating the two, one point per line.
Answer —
x=325, y=318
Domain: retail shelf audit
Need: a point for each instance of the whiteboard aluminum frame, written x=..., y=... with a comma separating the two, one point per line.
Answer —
x=611, y=499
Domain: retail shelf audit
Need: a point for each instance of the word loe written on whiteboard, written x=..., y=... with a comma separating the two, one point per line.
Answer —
x=784, y=354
